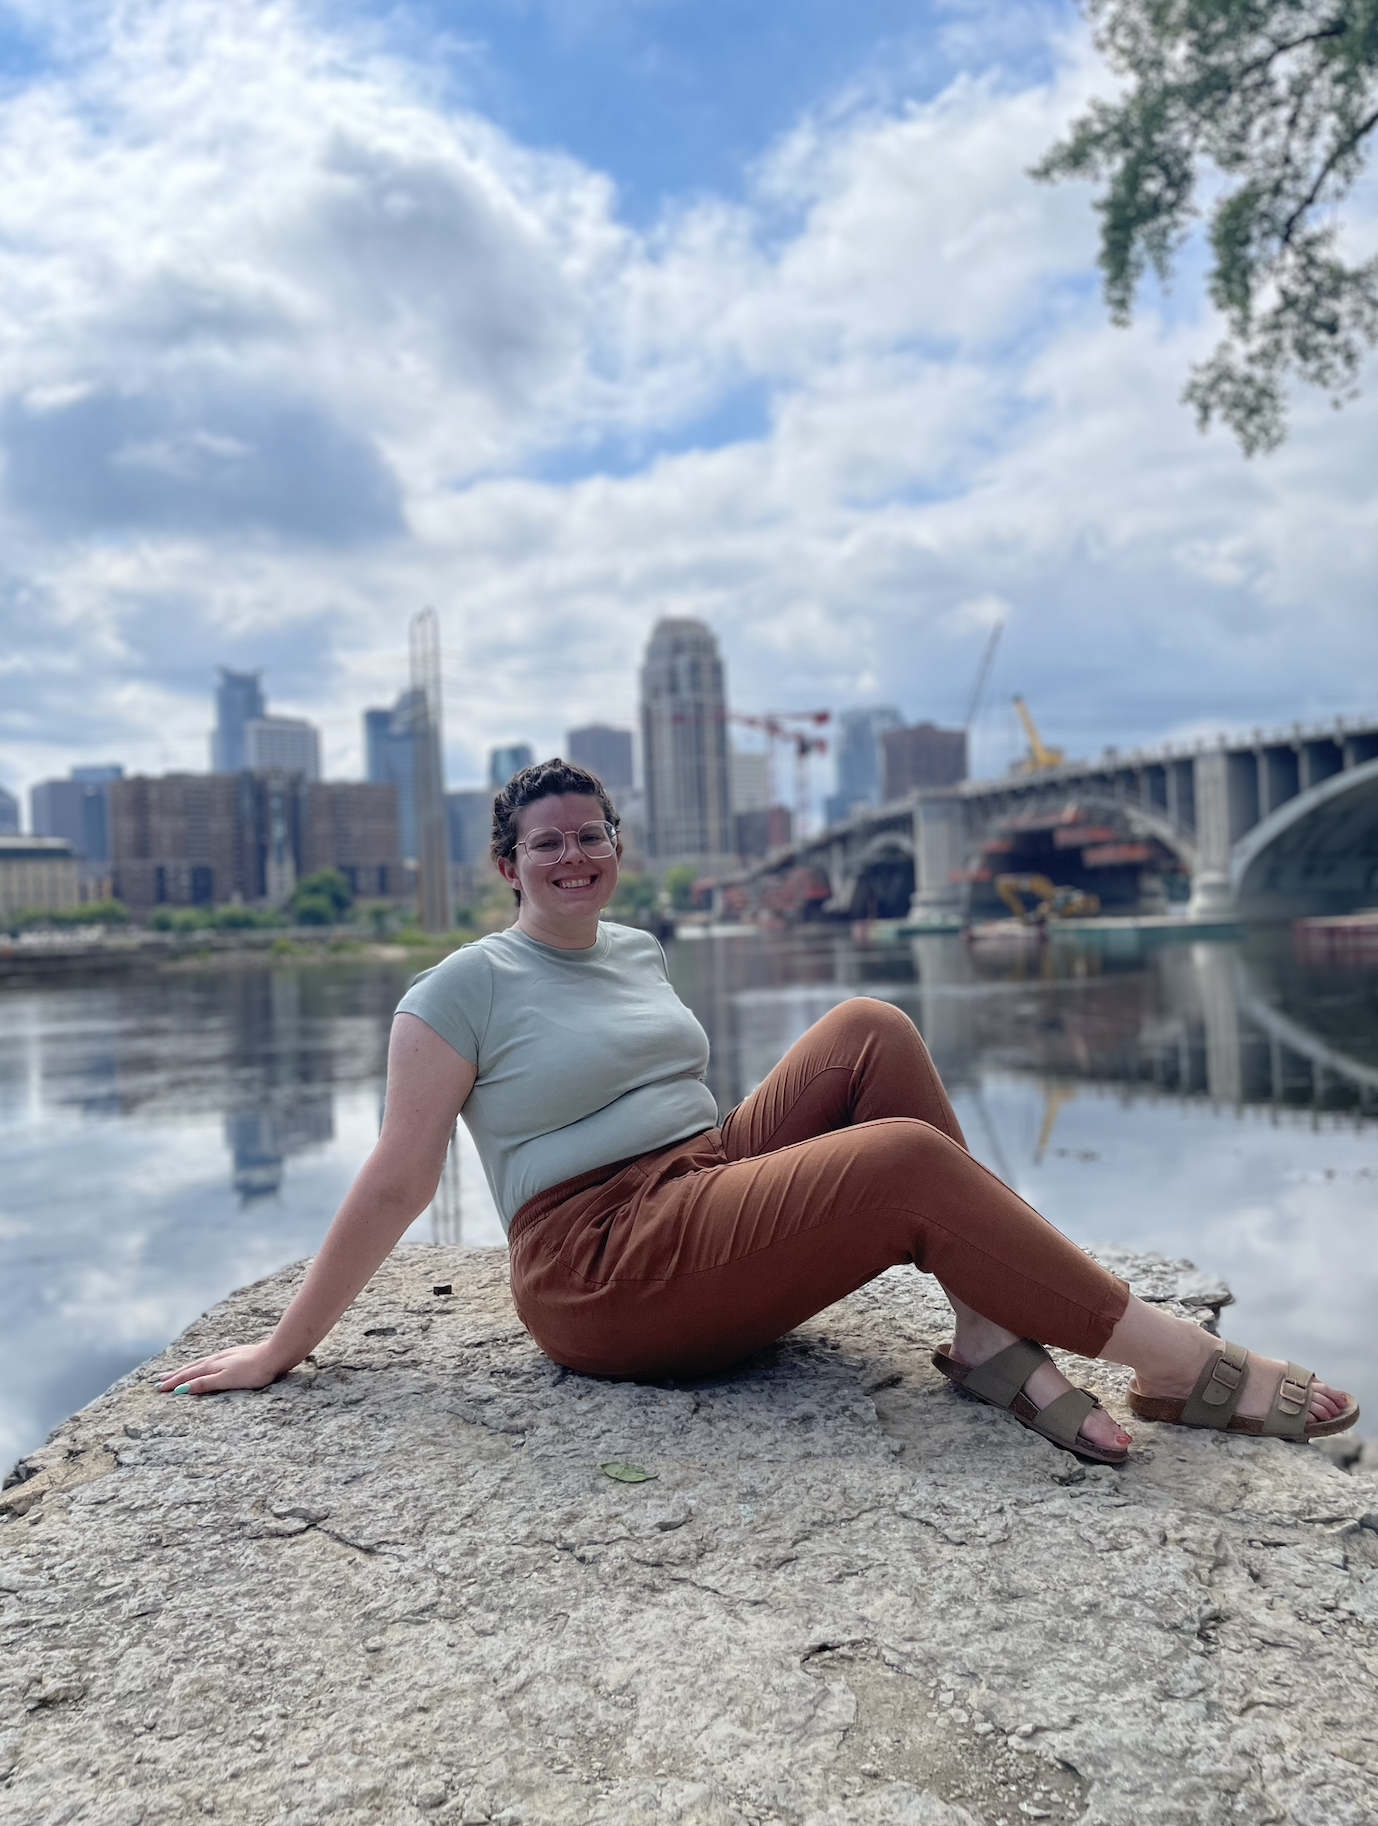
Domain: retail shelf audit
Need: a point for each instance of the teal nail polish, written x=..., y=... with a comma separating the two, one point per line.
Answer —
x=183, y=1388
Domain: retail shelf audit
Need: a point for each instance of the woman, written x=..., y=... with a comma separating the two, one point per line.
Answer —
x=648, y=1241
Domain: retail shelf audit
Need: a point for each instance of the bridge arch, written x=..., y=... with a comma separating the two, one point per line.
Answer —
x=883, y=876
x=1317, y=853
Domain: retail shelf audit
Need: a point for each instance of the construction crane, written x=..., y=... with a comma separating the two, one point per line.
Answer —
x=982, y=674
x=776, y=727
x=1040, y=756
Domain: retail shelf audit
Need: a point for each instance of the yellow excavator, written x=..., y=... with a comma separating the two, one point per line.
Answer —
x=1049, y=902
x=1039, y=755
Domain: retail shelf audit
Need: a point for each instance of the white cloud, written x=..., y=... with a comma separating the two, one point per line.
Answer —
x=288, y=349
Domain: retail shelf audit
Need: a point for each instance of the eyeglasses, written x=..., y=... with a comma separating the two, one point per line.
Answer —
x=547, y=847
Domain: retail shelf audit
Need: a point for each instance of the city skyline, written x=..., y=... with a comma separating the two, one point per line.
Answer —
x=806, y=356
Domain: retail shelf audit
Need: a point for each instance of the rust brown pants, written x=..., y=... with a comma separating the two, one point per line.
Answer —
x=846, y=1161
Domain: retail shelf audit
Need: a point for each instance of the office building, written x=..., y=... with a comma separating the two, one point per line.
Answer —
x=282, y=744
x=238, y=702
x=504, y=762
x=202, y=840
x=748, y=777
x=390, y=740
x=605, y=751
x=9, y=814
x=469, y=816
x=922, y=755
x=684, y=745
x=37, y=875
x=76, y=810
x=860, y=766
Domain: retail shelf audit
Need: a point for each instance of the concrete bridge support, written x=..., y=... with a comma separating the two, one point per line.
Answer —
x=939, y=854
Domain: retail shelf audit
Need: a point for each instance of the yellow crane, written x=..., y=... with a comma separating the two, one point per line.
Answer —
x=1039, y=755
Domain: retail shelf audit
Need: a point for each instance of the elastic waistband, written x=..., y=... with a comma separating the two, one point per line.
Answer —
x=545, y=1202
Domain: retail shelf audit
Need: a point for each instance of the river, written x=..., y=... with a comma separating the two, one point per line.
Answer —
x=174, y=1134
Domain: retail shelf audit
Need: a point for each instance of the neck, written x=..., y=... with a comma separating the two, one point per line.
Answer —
x=566, y=935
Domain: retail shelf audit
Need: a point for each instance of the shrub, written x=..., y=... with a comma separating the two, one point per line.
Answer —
x=325, y=887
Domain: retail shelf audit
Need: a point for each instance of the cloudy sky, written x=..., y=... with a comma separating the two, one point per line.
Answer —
x=561, y=315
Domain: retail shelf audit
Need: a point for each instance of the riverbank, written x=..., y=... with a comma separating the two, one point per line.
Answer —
x=83, y=950
x=400, y=1586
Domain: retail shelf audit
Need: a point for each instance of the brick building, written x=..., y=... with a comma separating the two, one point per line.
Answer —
x=202, y=840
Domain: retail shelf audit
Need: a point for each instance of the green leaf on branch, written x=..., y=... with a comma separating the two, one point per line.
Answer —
x=1272, y=105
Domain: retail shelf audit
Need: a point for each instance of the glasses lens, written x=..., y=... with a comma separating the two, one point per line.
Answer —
x=545, y=846
x=597, y=840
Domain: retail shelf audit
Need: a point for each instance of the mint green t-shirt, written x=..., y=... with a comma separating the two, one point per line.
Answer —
x=584, y=1057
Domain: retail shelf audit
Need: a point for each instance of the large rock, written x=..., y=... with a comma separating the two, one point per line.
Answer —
x=399, y=1587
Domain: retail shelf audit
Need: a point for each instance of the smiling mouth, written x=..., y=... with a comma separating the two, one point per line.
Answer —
x=576, y=881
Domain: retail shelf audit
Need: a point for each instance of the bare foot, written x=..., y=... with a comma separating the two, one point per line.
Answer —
x=977, y=1340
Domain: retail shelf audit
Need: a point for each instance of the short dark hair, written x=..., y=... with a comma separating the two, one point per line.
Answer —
x=546, y=780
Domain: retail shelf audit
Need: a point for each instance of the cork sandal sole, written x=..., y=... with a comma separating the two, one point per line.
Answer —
x=1168, y=1412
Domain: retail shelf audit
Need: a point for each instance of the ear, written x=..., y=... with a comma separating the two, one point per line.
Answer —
x=508, y=870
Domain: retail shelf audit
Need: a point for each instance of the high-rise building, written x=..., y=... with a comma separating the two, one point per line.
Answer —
x=470, y=816
x=504, y=762
x=76, y=809
x=238, y=701
x=748, y=776
x=605, y=751
x=9, y=814
x=922, y=755
x=390, y=738
x=684, y=745
x=288, y=744
x=860, y=766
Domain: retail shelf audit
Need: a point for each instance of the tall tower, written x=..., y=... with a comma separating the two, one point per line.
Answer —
x=432, y=847
x=684, y=744
x=238, y=700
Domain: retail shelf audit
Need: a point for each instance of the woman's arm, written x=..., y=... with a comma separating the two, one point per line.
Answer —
x=428, y=1083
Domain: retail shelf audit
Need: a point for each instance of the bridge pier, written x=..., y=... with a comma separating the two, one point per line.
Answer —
x=939, y=854
x=1222, y=815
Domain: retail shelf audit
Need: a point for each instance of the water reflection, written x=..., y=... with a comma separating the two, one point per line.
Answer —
x=172, y=1136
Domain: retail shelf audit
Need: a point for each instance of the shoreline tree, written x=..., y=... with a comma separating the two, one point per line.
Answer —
x=1279, y=100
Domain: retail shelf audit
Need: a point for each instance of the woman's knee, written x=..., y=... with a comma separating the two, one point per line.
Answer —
x=866, y=1016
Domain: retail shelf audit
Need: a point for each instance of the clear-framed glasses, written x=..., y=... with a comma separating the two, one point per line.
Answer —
x=547, y=847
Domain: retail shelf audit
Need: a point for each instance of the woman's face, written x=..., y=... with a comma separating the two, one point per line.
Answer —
x=577, y=888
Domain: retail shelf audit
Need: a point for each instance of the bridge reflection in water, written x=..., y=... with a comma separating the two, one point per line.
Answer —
x=1234, y=1025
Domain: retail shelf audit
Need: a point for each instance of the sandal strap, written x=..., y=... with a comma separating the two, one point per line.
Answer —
x=1000, y=1378
x=1063, y=1418
x=1290, y=1412
x=1218, y=1388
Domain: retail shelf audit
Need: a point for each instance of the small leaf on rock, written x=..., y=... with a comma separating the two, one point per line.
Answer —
x=628, y=1474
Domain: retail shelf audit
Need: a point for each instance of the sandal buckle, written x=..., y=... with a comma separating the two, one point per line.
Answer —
x=1228, y=1376
x=1291, y=1395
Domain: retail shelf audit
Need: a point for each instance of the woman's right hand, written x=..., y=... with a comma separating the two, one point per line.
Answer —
x=242, y=1366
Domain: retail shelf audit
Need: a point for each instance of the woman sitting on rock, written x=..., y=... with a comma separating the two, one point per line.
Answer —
x=649, y=1240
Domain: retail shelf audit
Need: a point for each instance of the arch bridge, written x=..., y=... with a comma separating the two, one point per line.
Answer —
x=1274, y=824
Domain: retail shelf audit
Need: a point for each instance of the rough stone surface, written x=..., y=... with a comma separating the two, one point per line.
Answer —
x=399, y=1587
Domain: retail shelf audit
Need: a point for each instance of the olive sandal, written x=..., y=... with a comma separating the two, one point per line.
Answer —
x=1213, y=1401
x=1000, y=1383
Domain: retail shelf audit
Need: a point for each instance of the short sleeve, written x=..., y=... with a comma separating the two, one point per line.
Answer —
x=455, y=999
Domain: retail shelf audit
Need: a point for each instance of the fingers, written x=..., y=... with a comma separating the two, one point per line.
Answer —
x=175, y=1378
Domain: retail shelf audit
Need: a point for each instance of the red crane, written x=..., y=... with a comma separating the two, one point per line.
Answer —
x=781, y=726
